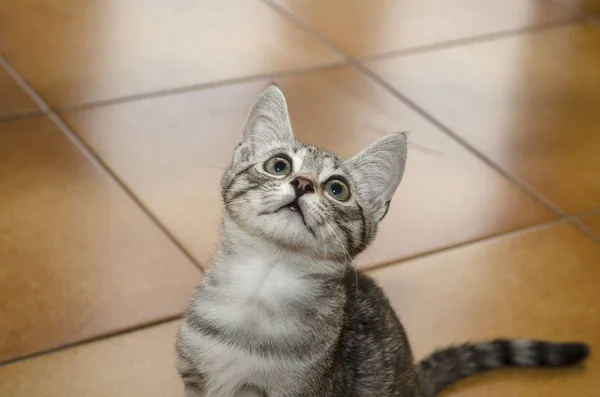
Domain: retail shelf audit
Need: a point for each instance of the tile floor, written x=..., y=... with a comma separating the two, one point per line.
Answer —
x=116, y=119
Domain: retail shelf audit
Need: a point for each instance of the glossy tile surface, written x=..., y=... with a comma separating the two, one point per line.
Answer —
x=12, y=99
x=79, y=258
x=171, y=151
x=532, y=112
x=159, y=91
x=139, y=364
x=513, y=287
x=541, y=284
x=593, y=222
x=83, y=51
x=363, y=28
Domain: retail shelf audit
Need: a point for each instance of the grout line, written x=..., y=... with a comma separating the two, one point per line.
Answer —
x=347, y=61
x=571, y=220
x=416, y=108
x=367, y=269
x=282, y=74
x=95, y=159
x=452, y=247
x=576, y=222
x=21, y=115
x=583, y=214
x=200, y=86
x=91, y=340
x=307, y=29
x=39, y=101
x=461, y=141
x=490, y=37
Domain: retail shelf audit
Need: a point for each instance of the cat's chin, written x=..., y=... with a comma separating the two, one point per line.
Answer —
x=291, y=221
x=285, y=229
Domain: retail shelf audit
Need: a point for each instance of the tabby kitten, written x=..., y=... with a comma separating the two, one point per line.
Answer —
x=281, y=311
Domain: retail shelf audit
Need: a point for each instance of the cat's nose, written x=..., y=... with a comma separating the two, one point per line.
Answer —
x=301, y=186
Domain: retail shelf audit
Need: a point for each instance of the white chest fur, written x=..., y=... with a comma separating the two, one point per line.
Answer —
x=250, y=293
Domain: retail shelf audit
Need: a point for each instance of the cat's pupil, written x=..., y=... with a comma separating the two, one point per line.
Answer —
x=279, y=166
x=336, y=188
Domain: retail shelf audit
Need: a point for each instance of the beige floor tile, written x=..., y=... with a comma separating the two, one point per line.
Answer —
x=542, y=284
x=528, y=102
x=171, y=152
x=362, y=28
x=79, y=258
x=12, y=99
x=139, y=364
x=80, y=51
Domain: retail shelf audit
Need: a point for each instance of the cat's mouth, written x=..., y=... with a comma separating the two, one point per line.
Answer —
x=294, y=206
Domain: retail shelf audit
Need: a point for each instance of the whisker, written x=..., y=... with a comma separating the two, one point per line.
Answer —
x=347, y=253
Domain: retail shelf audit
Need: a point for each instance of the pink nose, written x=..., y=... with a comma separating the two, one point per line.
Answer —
x=301, y=186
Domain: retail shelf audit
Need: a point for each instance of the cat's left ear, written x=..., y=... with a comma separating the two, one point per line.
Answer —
x=377, y=172
x=268, y=123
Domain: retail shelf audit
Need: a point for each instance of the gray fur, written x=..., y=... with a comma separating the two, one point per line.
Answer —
x=282, y=312
x=446, y=366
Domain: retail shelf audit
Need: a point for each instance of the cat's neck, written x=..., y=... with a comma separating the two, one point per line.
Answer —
x=240, y=246
x=252, y=266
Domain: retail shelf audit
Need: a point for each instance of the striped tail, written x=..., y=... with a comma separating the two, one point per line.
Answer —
x=446, y=366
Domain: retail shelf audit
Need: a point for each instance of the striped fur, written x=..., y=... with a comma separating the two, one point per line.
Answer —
x=446, y=366
x=281, y=311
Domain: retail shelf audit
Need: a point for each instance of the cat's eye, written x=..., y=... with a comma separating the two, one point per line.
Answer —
x=279, y=166
x=337, y=189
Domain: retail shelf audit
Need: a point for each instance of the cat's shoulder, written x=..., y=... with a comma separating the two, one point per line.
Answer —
x=358, y=282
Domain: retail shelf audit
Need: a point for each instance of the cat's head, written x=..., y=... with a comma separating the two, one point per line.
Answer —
x=304, y=198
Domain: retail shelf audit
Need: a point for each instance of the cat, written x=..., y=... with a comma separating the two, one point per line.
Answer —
x=282, y=312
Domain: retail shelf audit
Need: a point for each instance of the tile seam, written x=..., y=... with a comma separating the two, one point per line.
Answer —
x=367, y=269
x=524, y=186
x=105, y=336
x=348, y=61
x=486, y=38
x=197, y=87
x=96, y=160
x=577, y=223
x=465, y=244
x=21, y=115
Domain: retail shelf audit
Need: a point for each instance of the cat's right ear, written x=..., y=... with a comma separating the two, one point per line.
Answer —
x=378, y=171
x=267, y=124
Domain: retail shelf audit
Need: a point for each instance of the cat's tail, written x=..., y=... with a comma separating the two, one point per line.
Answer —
x=446, y=366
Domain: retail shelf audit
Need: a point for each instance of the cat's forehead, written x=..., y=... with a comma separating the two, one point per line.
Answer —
x=314, y=160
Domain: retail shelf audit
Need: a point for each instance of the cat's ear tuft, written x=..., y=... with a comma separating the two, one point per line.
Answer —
x=378, y=170
x=267, y=123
